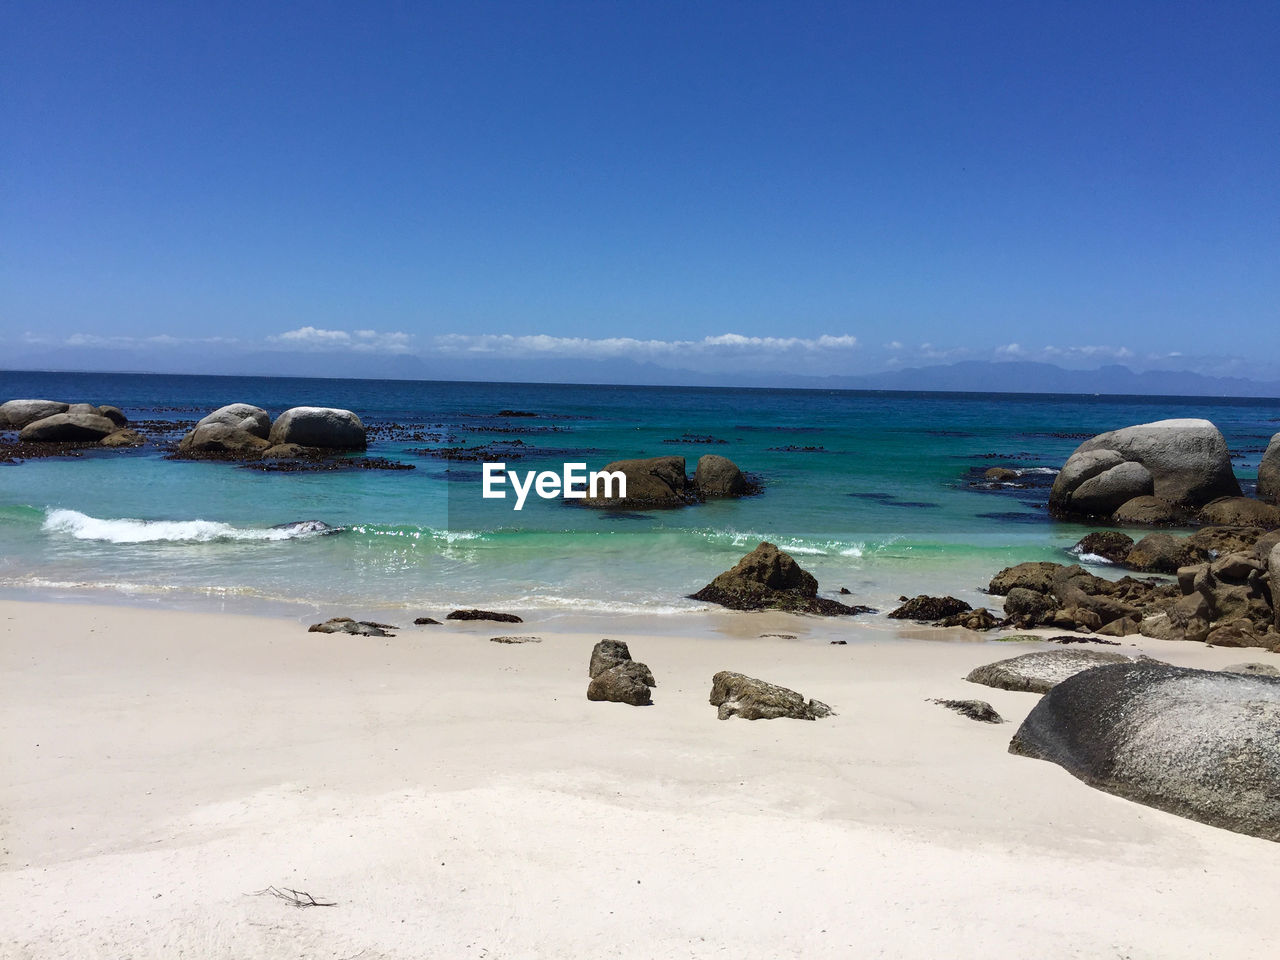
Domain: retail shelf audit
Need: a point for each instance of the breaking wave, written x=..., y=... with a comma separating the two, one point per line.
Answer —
x=81, y=526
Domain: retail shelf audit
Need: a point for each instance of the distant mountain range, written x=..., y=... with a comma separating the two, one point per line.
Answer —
x=967, y=376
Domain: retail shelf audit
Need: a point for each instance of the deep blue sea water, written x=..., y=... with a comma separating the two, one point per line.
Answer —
x=882, y=502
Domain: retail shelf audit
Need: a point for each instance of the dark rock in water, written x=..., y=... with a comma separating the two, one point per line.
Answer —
x=1000, y=474
x=845, y=592
x=426, y=621
x=927, y=609
x=1200, y=744
x=623, y=683
x=70, y=427
x=1111, y=545
x=1241, y=512
x=1253, y=669
x=769, y=579
x=315, y=460
x=319, y=427
x=655, y=482
x=737, y=695
x=516, y=413
x=1150, y=511
x=1269, y=472
x=483, y=615
x=1161, y=553
x=316, y=527
x=973, y=709
x=717, y=476
x=285, y=451
x=1041, y=671
x=363, y=628
x=114, y=414
x=16, y=414
x=515, y=639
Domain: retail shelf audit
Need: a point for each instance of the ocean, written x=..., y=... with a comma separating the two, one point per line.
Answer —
x=880, y=493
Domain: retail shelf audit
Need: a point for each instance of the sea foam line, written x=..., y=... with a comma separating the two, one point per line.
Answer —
x=81, y=526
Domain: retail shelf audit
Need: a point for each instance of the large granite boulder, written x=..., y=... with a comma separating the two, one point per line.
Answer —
x=1042, y=671
x=1197, y=743
x=737, y=695
x=717, y=476
x=1151, y=512
x=769, y=579
x=652, y=482
x=326, y=427
x=1241, y=512
x=71, y=427
x=1187, y=462
x=16, y=414
x=1269, y=472
x=241, y=416
x=236, y=431
x=1037, y=575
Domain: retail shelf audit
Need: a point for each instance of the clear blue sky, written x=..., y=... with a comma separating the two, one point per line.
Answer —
x=962, y=175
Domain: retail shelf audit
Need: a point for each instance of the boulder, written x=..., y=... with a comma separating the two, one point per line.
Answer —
x=284, y=451
x=77, y=427
x=362, y=628
x=621, y=684
x=1201, y=744
x=1187, y=460
x=655, y=482
x=1253, y=669
x=769, y=579
x=240, y=416
x=1150, y=511
x=737, y=695
x=979, y=619
x=114, y=414
x=222, y=440
x=1161, y=553
x=716, y=476
x=123, y=438
x=608, y=654
x=1274, y=569
x=978, y=710
x=924, y=609
x=1034, y=575
x=1241, y=512
x=1238, y=633
x=1216, y=541
x=16, y=414
x=1269, y=472
x=1263, y=546
x=1028, y=608
x=1000, y=475
x=1042, y=671
x=1111, y=545
x=326, y=427
x=474, y=614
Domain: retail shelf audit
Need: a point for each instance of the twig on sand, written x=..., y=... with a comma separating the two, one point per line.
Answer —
x=295, y=898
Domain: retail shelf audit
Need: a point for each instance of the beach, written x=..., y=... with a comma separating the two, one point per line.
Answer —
x=455, y=797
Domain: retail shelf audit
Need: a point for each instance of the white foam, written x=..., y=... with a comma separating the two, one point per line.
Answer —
x=1095, y=559
x=81, y=526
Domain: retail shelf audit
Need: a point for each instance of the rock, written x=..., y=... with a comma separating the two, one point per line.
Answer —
x=1215, y=541
x=1035, y=575
x=284, y=451
x=1042, y=671
x=77, y=427
x=515, y=639
x=979, y=619
x=326, y=427
x=655, y=482
x=1024, y=607
x=123, y=438
x=1160, y=553
x=1150, y=511
x=483, y=615
x=1239, y=633
x=999, y=475
x=737, y=695
x=978, y=710
x=1110, y=545
x=769, y=579
x=1241, y=512
x=114, y=414
x=1253, y=669
x=240, y=416
x=1274, y=569
x=426, y=621
x=1187, y=460
x=363, y=628
x=717, y=476
x=620, y=684
x=608, y=654
x=221, y=440
x=1269, y=472
x=1263, y=546
x=927, y=609
x=16, y=414
x=1197, y=743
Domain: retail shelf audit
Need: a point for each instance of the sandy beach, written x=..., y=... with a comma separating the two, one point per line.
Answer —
x=462, y=798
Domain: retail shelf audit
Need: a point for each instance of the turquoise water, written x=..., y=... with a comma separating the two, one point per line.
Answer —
x=884, y=506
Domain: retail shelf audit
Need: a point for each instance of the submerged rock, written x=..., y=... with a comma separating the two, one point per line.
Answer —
x=652, y=482
x=1253, y=669
x=1201, y=744
x=1041, y=671
x=717, y=476
x=1110, y=545
x=769, y=579
x=737, y=695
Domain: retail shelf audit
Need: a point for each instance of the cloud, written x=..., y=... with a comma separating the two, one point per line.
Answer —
x=362, y=341
x=586, y=348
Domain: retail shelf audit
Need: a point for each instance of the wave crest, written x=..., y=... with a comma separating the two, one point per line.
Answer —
x=81, y=526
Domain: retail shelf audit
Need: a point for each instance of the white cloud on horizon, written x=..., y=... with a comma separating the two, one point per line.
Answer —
x=617, y=348
x=363, y=341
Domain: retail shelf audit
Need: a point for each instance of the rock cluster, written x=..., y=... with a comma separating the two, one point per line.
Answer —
x=55, y=422
x=944, y=612
x=662, y=482
x=616, y=677
x=1043, y=594
x=769, y=579
x=241, y=431
x=737, y=695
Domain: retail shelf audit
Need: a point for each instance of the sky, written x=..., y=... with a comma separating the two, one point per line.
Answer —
x=808, y=187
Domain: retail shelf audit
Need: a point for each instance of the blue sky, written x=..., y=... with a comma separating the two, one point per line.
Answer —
x=825, y=187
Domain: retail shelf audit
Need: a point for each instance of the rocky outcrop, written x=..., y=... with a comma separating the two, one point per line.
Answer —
x=1182, y=462
x=769, y=579
x=737, y=695
x=717, y=476
x=327, y=427
x=1241, y=512
x=1269, y=472
x=978, y=710
x=474, y=614
x=79, y=426
x=1046, y=594
x=362, y=628
x=1197, y=743
x=1042, y=671
x=16, y=414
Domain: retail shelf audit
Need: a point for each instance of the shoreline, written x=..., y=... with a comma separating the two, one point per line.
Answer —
x=165, y=763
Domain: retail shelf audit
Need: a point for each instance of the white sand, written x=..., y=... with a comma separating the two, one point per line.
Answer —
x=460, y=798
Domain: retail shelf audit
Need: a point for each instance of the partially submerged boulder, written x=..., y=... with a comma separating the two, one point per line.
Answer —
x=235, y=431
x=77, y=426
x=717, y=476
x=123, y=438
x=328, y=427
x=1241, y=512
x=1109, y=545
x=1197, y=743
x=1254, y=669
x=926, y=609
x=16, y=414
x=1041, y=671
x=474, y=614
x=1183, y=462
x=1152, y=512
x=737, y=695
x=1161, y=553
x=769, y=579
x=652, y=482
x=362, y=628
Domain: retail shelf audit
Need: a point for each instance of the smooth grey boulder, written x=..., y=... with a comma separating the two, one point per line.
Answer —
x=75, y=427
x=623, y=683
x=737, y=695
x=717, y=476
x=1269, y=472
x=221, y=438
x=1201, y=744
x=1042, y=671
x=1150, y=511
x=1108, y=491
x=1241, y=512
x=16, y=414
x=319, y=427
x=114, y=414
x=240, y=416
x=608, y=654
x=1188, y=461
x=1253, y=669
